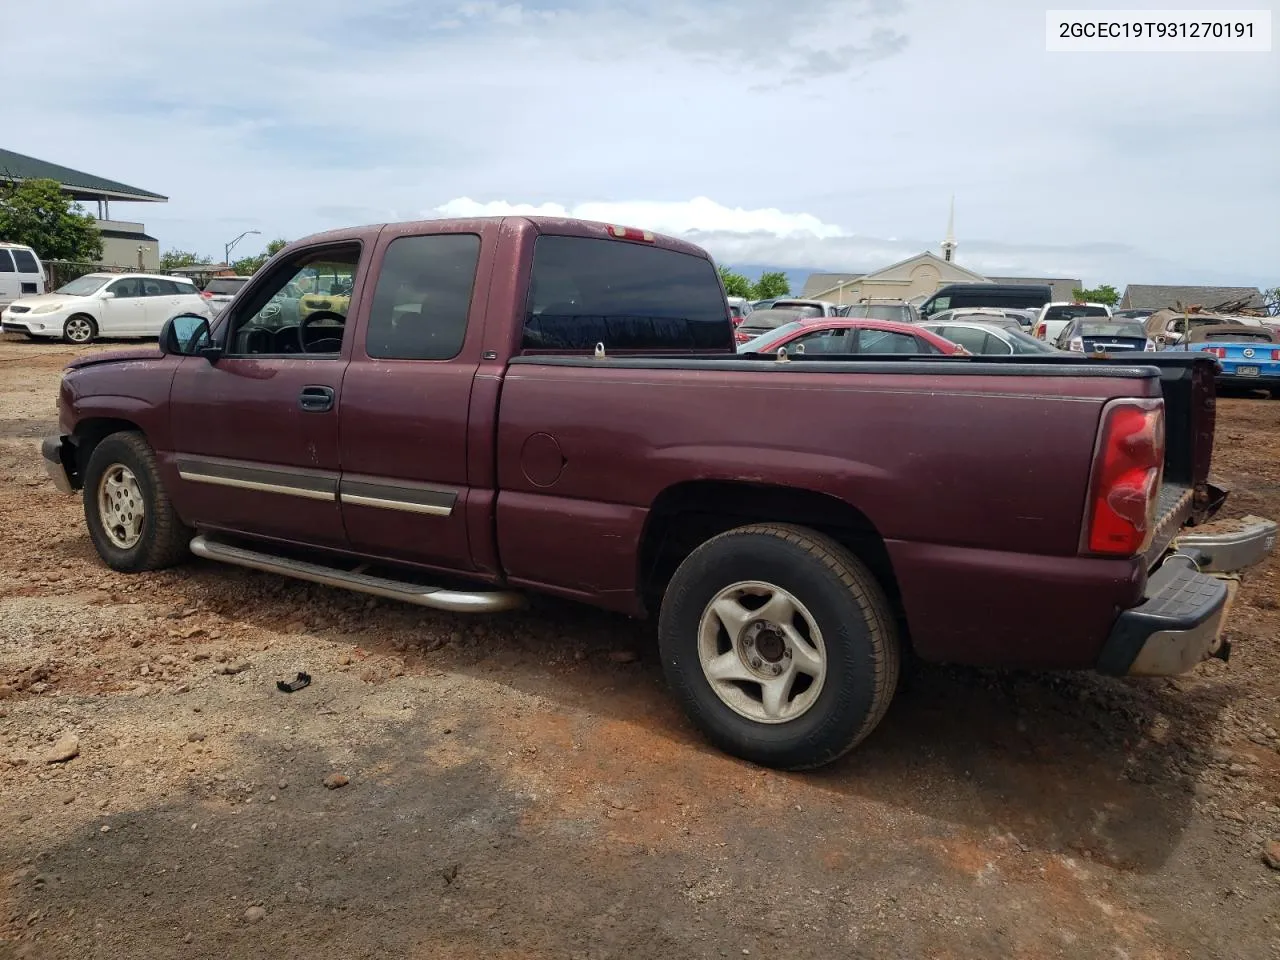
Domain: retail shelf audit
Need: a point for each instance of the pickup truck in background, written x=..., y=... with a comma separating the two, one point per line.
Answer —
x=513, y=405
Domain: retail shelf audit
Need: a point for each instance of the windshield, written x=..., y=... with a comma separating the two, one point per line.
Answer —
x=877, y=311
x=1070, y=311
x=83, y=286
x=781, y=333
x=1025, y=343
x=1111, y=328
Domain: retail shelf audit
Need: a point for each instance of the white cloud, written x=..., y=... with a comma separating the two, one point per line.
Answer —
x=677, y=217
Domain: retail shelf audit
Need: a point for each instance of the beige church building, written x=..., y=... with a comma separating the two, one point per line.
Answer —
x=915, y=278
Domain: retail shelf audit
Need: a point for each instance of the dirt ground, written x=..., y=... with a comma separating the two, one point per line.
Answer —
x=522, y=787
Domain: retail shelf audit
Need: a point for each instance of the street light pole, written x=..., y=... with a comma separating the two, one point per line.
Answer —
x=226, y=250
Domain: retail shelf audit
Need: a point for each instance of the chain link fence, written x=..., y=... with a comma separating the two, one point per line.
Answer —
x=64, y=271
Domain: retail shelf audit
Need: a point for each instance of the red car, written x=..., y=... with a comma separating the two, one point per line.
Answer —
x=851, y=335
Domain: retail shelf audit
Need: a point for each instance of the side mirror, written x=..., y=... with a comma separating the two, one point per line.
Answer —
x=187, y=335
x=108, y=295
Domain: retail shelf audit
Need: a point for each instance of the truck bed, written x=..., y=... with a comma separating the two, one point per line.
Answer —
x=893, y=437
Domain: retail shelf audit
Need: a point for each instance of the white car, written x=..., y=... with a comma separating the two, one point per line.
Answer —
x=1054, y=317
x=104, y=305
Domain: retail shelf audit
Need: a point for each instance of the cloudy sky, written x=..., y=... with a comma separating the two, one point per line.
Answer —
x=797, y=133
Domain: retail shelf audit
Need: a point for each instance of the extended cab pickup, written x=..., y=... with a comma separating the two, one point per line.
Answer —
x=493, y=407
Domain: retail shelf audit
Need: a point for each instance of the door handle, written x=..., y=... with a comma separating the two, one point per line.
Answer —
x=316, y=399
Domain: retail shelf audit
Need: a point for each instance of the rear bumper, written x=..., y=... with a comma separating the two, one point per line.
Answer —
x=52, y=453
x=1180, y=620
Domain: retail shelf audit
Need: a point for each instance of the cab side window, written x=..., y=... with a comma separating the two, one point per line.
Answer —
x=25, y=261
x=423, y=297
x=300, y=308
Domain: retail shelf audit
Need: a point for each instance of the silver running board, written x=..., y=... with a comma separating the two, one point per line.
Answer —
x=436, y=597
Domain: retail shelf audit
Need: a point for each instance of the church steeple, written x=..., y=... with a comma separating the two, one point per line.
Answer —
x=949, y=244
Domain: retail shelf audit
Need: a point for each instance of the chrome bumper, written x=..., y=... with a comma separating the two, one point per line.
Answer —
x=1225, y=546
x=51, y=455
x=1187, y=601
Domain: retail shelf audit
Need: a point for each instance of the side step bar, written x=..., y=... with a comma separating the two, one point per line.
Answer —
x=435, y=597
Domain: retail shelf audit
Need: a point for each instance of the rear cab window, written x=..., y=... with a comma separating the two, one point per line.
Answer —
x=423, y=297
x=625, y=295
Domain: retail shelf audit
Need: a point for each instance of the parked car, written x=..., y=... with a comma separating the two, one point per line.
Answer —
x=739, y=307
x=220, y=290
x=897, y=310
x=763, y=321
x=1248, y=356
x=1133, y=313
x=1018, y=295
x=1104, y=335
x=592, y=434
x=828, y=335
x=989, y=339
x=1170, y=327
x=1026, y=317
x=21, y=273
x=104, y=305
x=805, y=308
x=976, y=315
x=1054, y=316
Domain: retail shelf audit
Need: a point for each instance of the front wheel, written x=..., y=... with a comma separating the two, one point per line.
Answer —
x=79, y=329
x=131, y=521
x=780, y=645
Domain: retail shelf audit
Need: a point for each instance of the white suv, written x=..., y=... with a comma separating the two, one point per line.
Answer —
x=1054, y=317
x=21, y=273
x=105, y=305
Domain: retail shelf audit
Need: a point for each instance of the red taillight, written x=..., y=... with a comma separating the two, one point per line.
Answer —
x=740, y=337
x=1219, y=352
x=206, y=294
x=1041, y=329
x=631, y=233
x=1275, y=354
x=1127, y=470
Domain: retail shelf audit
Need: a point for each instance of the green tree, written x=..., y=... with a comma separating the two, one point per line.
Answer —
x=38, y=214
x=1105, y=293
x=247, y=266
x=172, y=259
x=770, y=285
x=735, y=284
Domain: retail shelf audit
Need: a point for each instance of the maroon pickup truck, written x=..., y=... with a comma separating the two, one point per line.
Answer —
x=456, y=413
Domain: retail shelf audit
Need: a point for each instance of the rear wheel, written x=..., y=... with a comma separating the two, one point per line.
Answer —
x=131, y=521
x=79, y=329
x=780, y=645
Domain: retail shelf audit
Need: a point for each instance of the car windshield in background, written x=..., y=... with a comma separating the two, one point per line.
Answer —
x=1025, y=343
x=1109, y=328
x=878, y=311
x=1071, y=311
x=230, y=285
x=83, y=286
x=781, y=333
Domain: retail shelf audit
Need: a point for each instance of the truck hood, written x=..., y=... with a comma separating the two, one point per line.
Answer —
x=115, y=356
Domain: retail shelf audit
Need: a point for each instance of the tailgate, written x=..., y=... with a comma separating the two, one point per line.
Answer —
x=1187, y=497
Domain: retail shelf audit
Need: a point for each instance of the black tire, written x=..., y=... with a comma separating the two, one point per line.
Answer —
x=849, y=608
x=163, y=538
x=76, y=323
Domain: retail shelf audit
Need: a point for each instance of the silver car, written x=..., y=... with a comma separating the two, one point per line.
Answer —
x=219, y=291
x=990, y=339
